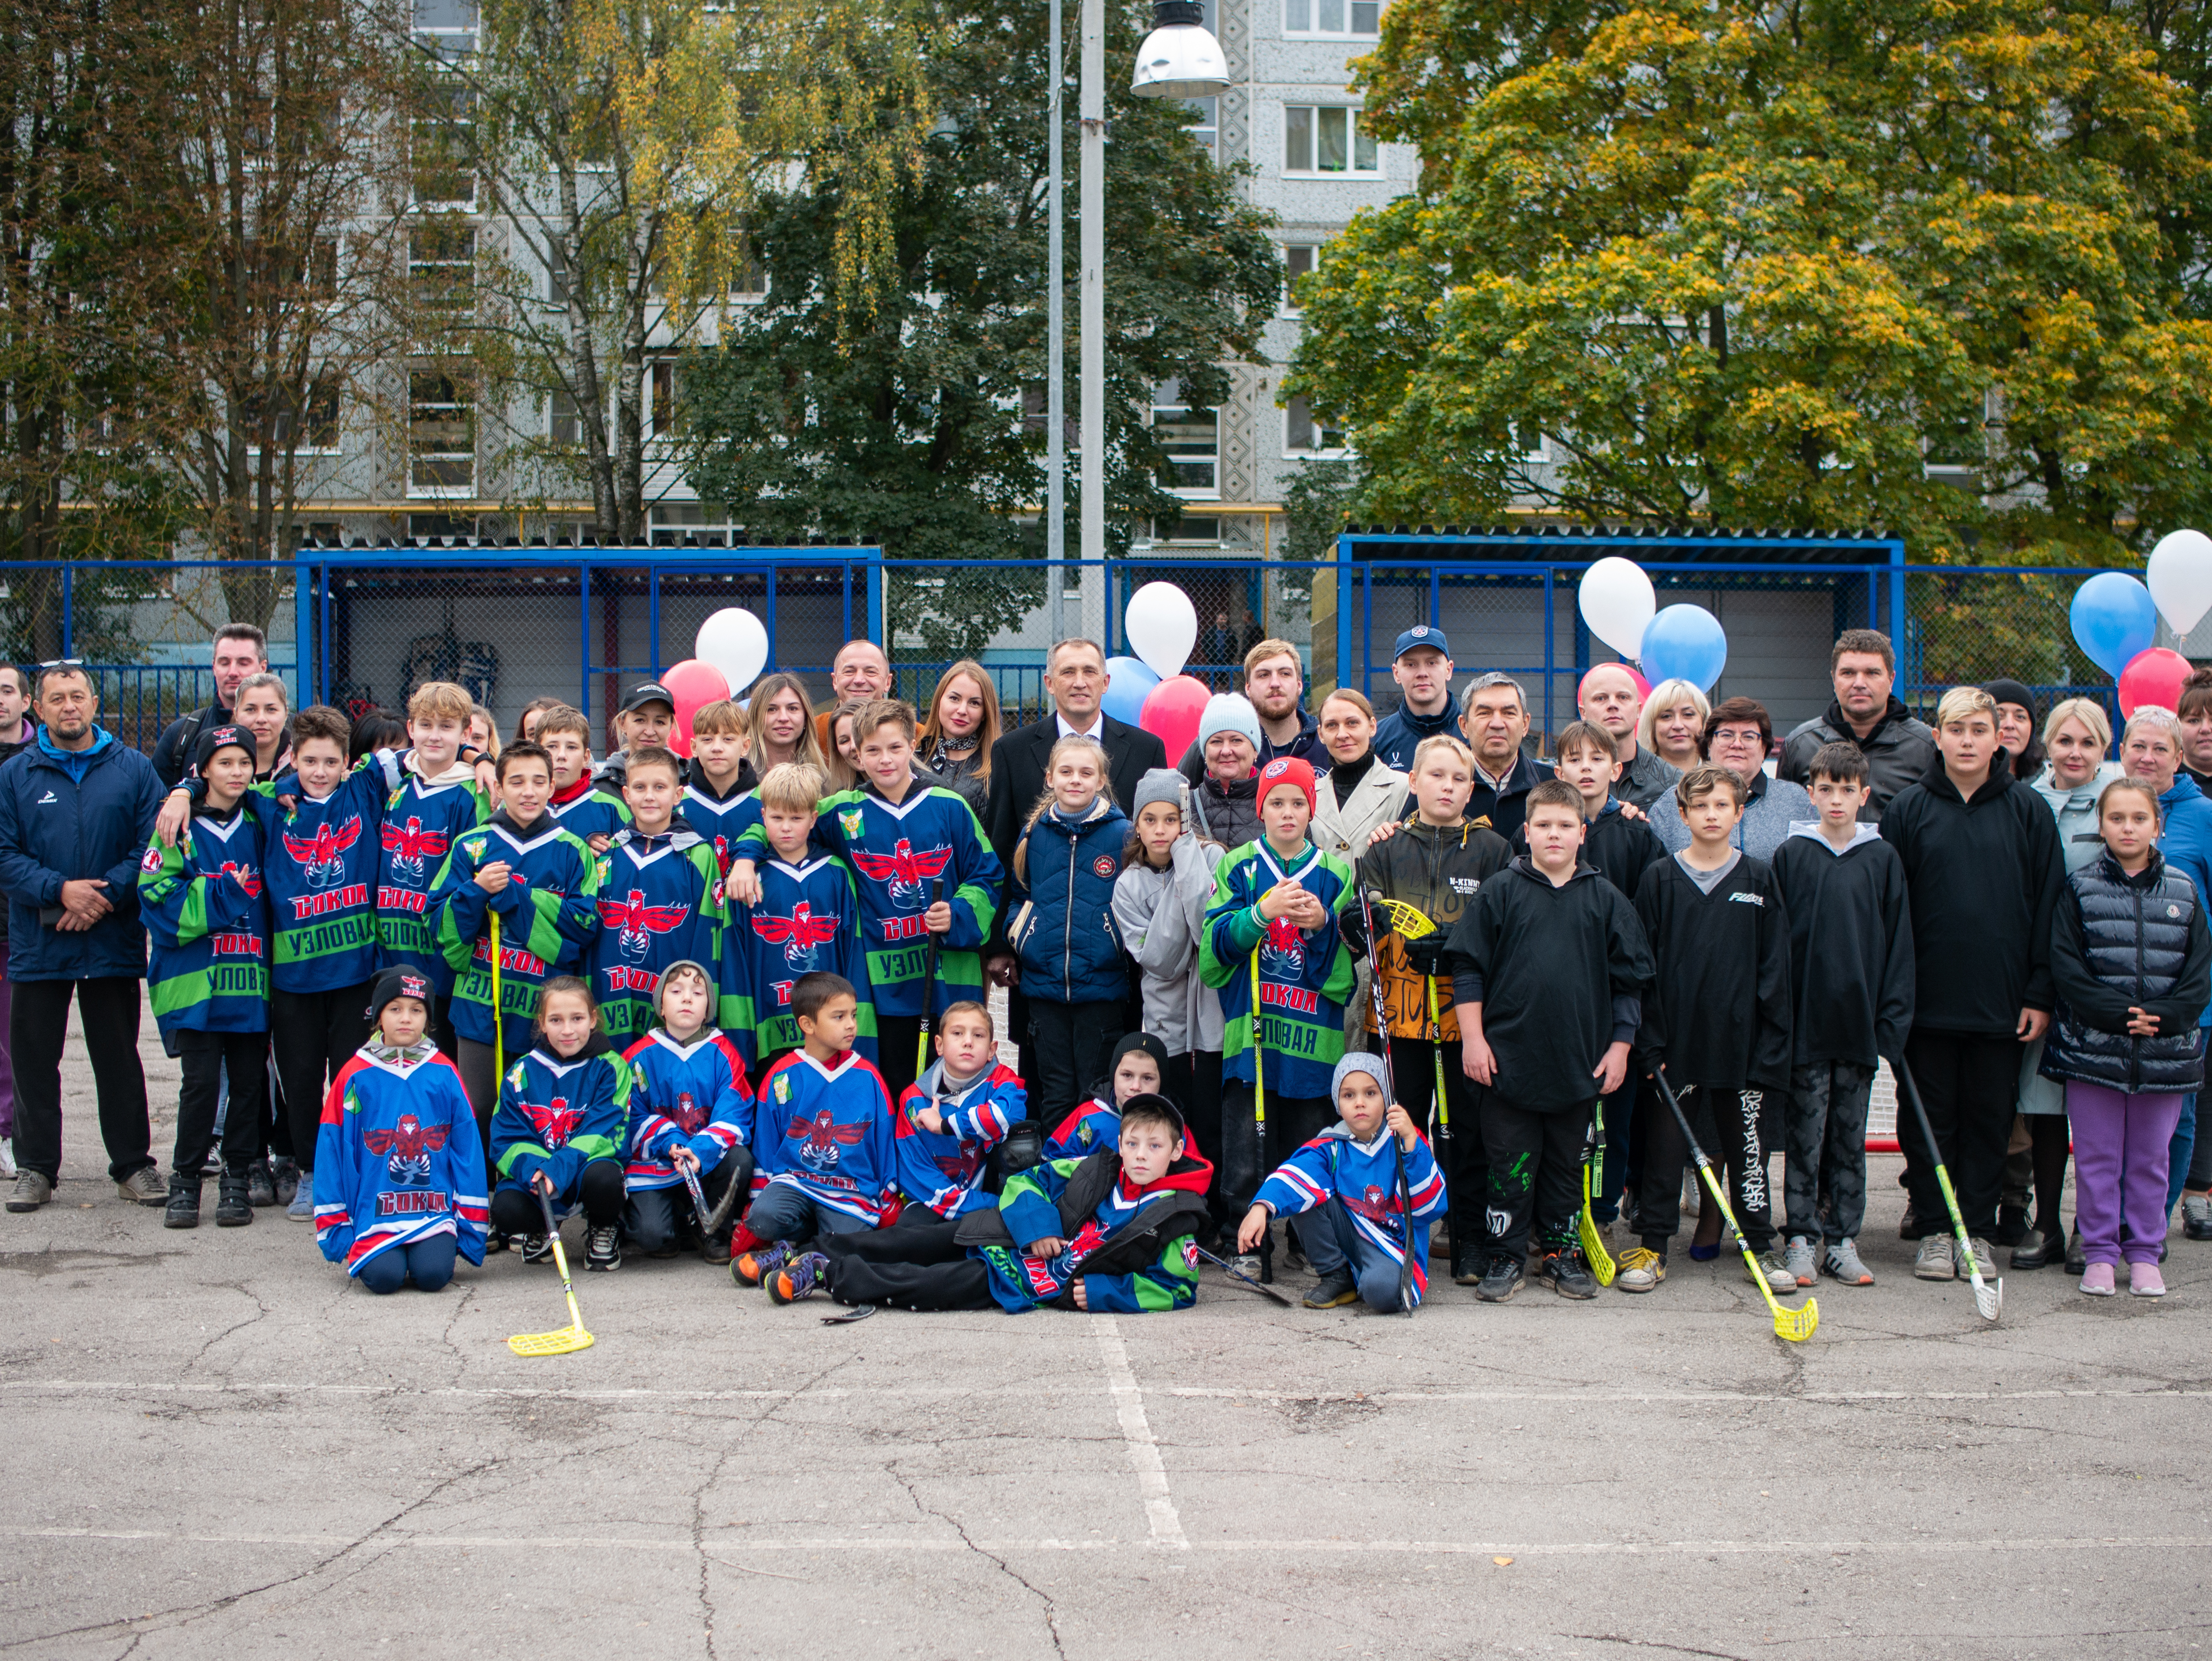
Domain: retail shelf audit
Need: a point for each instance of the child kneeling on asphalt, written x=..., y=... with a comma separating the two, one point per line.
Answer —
x=1343, y=1187
x=824, y=1161
x=402, y=1189
x=563, y=1109
x=1109, y=1233
x=692, y=1112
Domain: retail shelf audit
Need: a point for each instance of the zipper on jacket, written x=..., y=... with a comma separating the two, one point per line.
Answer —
x=2134, y=1042
x=1067, y=927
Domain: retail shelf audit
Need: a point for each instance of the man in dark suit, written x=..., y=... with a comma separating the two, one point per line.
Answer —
x=1076, y=678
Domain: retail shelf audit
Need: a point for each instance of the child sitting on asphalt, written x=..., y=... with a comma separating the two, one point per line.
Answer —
x=401, y=1192
x=1137, y=1067
x=1108, y=1234
x=1357, y=1189
x=563, y=1109
x=822, y=1147
x=692, y=1112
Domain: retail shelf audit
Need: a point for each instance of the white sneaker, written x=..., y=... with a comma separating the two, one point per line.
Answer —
x=1799, y=1260
x=7, y=1162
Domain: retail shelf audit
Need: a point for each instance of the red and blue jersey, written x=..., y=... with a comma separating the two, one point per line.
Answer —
x=694, y=1096
x=556, y=1116
x=325, y=858
x=659, y=902
x=399, y=1158
x=942, y=1170
x=807, y=922
x=1094, y=1125
x=420, y=824
x=827, y=1131
x=1364, y=1177
x=206, y=905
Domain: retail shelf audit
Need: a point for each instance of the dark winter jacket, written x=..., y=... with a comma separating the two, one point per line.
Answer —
x=1399, y=733
x=1850, y=948
x=1646, y=779
x=173, y=752
x=1983, y=877
x=962, y=776
x=1060, y=907
x=1898, y=751
x=9, y=750
x=2118, y=942
x=1226, y=813
x=66, y=815
x=1615, y=845
x=1437, y=870
x=1505, y=808
x=1718, y=1010
x=1306, y=747
x=1559, y=973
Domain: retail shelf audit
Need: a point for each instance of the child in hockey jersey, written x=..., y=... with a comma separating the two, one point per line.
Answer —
x=403, y=1170
x=1355, y=1215
x=206, y=906
x=659, y=898
x=1136, y=1069
x=691, y=1110
x=806, y=922
x=562, y=1121
x=1059, y=906
x=1109, y=1233
x=1275, y=905
x=719, y=795
x=1160, y=902
x=577, y=802
x=823, y=1158
x=437, y=798
x=1716, y=1019
x=541, y=886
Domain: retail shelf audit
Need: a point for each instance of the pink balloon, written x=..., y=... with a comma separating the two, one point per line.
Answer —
x=1642, y=686
x=2154, y=677
x=1172, y=710
x=696, y=685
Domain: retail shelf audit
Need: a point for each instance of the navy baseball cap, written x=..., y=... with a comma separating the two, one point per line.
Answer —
x=1420, y=634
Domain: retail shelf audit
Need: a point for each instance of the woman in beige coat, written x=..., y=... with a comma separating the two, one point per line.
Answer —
x=1356, y=797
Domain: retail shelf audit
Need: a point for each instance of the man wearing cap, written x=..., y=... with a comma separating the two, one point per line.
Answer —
x=76, y=809
x=1609, y=697
x=1421, y=664
x=1493, y=720
x=643, y=720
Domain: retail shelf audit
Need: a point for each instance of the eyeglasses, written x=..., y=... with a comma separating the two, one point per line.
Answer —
x=62, y=663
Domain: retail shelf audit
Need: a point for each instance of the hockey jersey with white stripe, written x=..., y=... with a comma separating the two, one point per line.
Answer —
x=693, y=1095
x=398, y=1157
x=942, y=1170
x=827, y=1131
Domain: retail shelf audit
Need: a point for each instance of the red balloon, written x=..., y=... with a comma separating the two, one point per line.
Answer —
x=1172, y=709
x=2154, y=677
x=696, y=685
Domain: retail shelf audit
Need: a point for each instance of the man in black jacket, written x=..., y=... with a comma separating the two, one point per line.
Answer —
x=1983, y=871
x=1898, y=750
x=1076, y=678
x=241, y=650
x=1494, y=717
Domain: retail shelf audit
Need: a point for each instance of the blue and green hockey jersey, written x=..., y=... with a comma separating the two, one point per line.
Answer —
x=547, y=914
x=206, y=905
x=659, y=902
x=1304, y=974
x=807, y=922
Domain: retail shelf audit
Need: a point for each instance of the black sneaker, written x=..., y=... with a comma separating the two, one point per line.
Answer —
x=2077, y=1259
x=234, y=1204
x=1566, y=1274
x=284, y=1177
x=260, y=1186
x=1337, y=1288
x=536, y=1248
x=603, y=1249
x=1466, y=1269
x=183, y=1210
x=1500, y=1280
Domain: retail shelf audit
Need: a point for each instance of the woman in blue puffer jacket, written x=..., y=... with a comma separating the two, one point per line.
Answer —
x=1060, y=926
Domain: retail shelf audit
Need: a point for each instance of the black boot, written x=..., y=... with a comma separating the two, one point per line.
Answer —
x=233, y=1203
x=184, y=1207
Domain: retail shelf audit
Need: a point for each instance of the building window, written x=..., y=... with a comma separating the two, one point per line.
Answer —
x=562, y=424
x=674, y=523
x=1203, y=531
x=1191, y=438
x=318, y=272
x=441, y=435
x=665, y=416
x=1204, y=123
x=1528, y=439
x=440, y=136
x=313, y=416
x=1343, y=19
x=1304, y=435
x=1327, y=138
x=1300, y=260
x=442, y=266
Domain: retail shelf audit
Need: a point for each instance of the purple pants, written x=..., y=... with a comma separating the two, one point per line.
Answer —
x=2119, y=1169
x=7, y=1067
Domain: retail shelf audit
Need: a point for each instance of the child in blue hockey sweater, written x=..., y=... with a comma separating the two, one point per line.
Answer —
x=719, y=796
x=206, y=905
x=1345, y=1188
x=691, y=1110
x=806, y=922
x=563, y=1123
x=1109, y=1233
x=1137, y=1067
x=578, y=803
x=437, y=797
x=403, y=1170
x=659, y=898
x=824, y=1159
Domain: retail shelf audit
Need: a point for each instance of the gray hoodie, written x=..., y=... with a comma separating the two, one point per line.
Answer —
x=1160, y=915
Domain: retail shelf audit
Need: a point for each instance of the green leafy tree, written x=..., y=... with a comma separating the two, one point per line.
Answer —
x=1762, y=265
x=919, y=424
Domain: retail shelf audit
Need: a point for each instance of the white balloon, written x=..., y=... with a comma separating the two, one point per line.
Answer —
x=1617, y=603
x=2179, y=577
x=733, y=641
x=1162, y=627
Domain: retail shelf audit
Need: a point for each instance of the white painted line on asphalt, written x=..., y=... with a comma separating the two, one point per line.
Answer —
x=1137, y=1432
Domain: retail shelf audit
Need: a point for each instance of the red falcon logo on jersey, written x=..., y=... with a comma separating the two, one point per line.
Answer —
x=1375, y=1205
x=688, y=1113
x=410, y=1143
x=248, y=877
x=904, y=869
x=554, y=1125
x=320, y=853
x=410, y=846
x=639, y=923
x=1284, y=952
x=797, y=933
x=820, y=1137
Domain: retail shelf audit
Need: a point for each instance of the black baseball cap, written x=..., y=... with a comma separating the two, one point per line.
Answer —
x=651, y=691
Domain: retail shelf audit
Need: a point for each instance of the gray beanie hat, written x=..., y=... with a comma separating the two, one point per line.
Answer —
x=1158, y=784
x=1229, y=712
x=1357, y=1060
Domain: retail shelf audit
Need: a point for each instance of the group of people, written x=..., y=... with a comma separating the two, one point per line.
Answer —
x=1397, y=982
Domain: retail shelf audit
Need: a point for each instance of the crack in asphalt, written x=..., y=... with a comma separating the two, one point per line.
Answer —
x=1051, y=1609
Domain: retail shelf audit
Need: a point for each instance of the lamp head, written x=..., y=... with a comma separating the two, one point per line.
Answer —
x=1180, y=58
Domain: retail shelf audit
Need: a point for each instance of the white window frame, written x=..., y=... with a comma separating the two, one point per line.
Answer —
x=1291, y=307
x=1291, y=451
x=1168, y=400
x=1303, y=20
x=1318, y=117
x=463, y=401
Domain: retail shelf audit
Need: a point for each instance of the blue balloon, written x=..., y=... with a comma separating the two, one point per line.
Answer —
x=1685, y=642
x=2115, y=620
x=1132, y=678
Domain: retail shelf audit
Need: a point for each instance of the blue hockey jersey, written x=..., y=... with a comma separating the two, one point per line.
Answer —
x=589, y=811
x=808, y=920
x=420, y=823
x=827, y=1131
x=1094, y=1125
x=1363, y=1176
x=693, y=1095
x=547, y=914
x=399, y=1158
x=1031, y=1205
x=720, y=820
x=206, y=905
x=558, y=1116
x=941, y=1168
x=325, y=861
x=659, y=902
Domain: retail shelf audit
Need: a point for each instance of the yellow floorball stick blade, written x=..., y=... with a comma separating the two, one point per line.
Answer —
x=1797, y=1325
x=1408, y=921
x=1601, y=1260
x=565, y=1341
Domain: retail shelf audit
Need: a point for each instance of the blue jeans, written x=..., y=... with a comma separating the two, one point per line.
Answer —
x=428, y=1264
x=784, y=1212
x=1327, y=1234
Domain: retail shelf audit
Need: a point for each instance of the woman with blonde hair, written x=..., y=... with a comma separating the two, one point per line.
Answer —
x=957, y=731
x=1672, y=724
